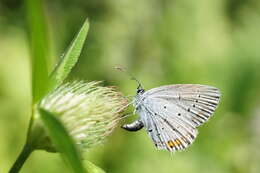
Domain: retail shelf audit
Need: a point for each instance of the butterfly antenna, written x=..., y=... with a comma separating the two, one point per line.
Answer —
x=132, y=77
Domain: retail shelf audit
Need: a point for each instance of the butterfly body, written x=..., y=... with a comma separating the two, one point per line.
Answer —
x=171, y=114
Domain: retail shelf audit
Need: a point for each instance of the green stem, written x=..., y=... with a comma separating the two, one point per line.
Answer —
x=27, y=150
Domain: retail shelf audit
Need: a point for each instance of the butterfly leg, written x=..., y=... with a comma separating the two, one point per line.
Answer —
x=134, y=126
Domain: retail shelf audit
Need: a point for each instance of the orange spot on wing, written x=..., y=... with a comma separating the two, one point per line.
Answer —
x=171, y=144
x=178, y=142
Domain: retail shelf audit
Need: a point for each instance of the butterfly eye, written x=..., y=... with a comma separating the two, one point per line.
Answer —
x=140, y=91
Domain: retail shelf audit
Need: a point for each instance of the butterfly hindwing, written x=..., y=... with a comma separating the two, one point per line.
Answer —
x=166, y=132
x=151, y=127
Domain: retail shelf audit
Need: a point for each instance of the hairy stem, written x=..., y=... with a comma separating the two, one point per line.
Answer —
x=25, y=153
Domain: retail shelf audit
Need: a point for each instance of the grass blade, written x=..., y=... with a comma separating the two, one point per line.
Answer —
x=38, y=48
x=62, y=141
x=69, y=59
x=92, y=168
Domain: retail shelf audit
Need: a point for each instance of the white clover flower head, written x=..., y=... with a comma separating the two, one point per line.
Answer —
x=90, y=112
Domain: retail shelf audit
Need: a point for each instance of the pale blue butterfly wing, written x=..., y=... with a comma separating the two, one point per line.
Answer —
x=171, y=113
x=197, y=102
x=166, y=131
x=151, y=128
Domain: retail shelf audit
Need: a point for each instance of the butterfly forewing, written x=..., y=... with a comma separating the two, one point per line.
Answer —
x=194, y=103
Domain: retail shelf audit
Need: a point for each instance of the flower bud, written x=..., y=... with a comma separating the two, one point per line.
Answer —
x=88, y=111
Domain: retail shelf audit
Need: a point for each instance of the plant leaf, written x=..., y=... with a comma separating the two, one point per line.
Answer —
x=92, y=168
x=62, y=141
x=69, y=59
x=38, y=48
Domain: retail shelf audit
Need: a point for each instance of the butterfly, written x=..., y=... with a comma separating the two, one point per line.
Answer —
x=171, y=114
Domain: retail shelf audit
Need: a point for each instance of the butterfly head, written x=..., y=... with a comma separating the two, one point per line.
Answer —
x=140, y=90
x=137, y=99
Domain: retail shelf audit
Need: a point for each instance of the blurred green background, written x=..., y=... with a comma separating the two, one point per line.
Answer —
x=161, y=42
